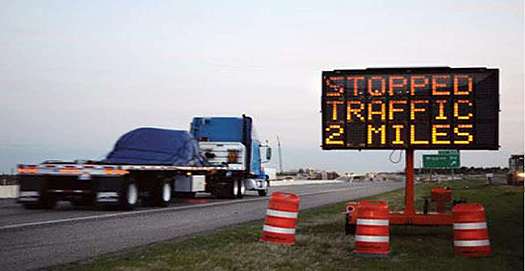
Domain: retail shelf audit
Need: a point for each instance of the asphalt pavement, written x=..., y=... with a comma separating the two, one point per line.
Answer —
x=32, y=239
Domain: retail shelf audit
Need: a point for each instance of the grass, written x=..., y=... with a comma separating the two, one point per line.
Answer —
x=320, y=243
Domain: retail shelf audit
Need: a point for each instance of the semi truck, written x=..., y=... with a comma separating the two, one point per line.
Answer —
x=515, y=174
x=150, y=166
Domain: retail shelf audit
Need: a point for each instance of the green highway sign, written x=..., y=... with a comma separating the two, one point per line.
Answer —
x=441, y=161
x=449, y=152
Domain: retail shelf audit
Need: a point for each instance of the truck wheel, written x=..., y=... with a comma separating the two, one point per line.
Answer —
x=231, y=190
x=128, y=196
x=242, y=189
x=264, y=192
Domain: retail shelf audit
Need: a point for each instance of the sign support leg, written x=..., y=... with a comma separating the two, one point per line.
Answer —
x=409, y=216
x=409, y=183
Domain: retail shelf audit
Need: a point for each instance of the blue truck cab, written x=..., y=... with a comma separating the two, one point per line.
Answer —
x=220, y=131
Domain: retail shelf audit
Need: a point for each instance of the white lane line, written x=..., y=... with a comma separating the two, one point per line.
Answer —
x=131, y=213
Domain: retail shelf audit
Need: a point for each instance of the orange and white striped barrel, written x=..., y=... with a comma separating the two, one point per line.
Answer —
x=281, y=219
x=372, y=237
x=471, y=237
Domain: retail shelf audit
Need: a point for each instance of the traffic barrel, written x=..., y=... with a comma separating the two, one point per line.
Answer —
x=471, y=237
x=441, y=196
x=281, y=219
x=372, y=238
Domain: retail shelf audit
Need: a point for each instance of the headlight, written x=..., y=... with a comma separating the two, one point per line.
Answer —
x=521, y=174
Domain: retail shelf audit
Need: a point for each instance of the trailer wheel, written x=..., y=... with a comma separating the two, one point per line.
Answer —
x=160, y=196
x=242, y=189
x=46, y=201
x=128, y=195
x=166, y=193
x=231, y=190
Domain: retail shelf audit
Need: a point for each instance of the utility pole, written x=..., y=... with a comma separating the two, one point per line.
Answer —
x=280, y=155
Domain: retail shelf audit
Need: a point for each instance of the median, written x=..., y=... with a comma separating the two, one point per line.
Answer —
x=320, y=242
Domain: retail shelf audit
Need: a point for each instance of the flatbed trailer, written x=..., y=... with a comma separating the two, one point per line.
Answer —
x=123, y=186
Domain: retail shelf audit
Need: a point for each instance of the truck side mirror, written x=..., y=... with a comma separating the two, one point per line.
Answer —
x=268, y=153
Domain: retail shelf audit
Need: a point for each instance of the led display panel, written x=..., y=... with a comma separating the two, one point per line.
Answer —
x=410, y=108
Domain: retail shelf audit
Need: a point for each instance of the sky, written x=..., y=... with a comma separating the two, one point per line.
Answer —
x=75, y=75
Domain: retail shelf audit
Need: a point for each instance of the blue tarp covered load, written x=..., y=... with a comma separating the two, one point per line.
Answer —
x=156, y=146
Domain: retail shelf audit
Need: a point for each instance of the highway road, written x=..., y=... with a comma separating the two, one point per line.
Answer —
x=32, y=239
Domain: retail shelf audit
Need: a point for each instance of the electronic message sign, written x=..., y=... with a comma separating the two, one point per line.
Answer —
x=411, y=108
